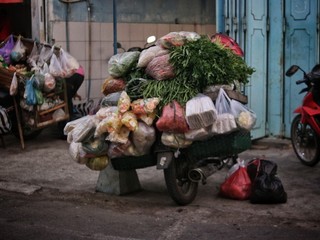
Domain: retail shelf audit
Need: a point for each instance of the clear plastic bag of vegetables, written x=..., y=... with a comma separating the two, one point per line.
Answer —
x=120, y=64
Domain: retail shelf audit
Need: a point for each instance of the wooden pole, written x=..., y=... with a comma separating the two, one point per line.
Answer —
x=19, y=122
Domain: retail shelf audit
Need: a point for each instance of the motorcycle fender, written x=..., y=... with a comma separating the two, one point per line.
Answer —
x=164, y=159
x=298, y=110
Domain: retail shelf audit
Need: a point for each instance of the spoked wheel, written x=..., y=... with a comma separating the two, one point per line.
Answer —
x=305, y=141
x=181, y=189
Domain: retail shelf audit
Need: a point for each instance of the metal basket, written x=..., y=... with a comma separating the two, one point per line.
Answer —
x=221, y=145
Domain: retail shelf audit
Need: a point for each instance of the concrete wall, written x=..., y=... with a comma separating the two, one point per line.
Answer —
x=136, y=20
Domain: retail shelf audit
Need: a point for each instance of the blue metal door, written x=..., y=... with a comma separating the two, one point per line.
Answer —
x=246, y=22
x=301, y=48
x=256, y=56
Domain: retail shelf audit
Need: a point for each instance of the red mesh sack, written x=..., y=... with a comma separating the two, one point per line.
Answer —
x=172, y=119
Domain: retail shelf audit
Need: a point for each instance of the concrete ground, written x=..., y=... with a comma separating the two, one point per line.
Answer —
x=44, y=194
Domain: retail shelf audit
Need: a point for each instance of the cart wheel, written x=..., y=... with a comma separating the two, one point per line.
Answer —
x=181, y=189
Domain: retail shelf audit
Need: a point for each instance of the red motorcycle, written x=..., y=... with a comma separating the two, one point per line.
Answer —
x=305, y=127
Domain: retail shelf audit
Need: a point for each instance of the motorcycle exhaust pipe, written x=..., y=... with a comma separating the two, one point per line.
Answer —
x=201, y=173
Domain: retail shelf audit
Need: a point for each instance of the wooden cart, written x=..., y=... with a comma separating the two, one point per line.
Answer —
x=42, y=118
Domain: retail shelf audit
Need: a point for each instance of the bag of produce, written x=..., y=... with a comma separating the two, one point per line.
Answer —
x=144, y=106
x=68, y=63
x=111, y=123
x=124, y=102
x=225, y=123
x=172, y=119
x=147, y=118
x=77, y=153
x=30, y=93
x=143, y=138
x=200, y=112
x=159, y=68
x=98, y=163
x=45, y=55
x=49, y=83
x=33, y=57
x=245, y=117
x=120, y=64
x=176, y=39
x=18, y=52
x=117, y=150
x=6, y=49
x=95, y=146
x=121, y=136
x=200, y=134
x=81, y=130
x=106, y=111
x=55, y=68
x=129, y=119
x=112, y=85
x=150, y=53
x=110, y=100
x=175, y=140
x=14, y=85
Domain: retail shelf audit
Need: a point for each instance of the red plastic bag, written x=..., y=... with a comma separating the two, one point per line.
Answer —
x=228, y=42
x=172, y=119
x=237, y=186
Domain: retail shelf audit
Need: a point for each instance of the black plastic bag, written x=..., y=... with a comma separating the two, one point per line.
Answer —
x=266, y=186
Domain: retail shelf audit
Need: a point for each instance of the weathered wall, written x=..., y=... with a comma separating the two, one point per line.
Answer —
x=91, y=42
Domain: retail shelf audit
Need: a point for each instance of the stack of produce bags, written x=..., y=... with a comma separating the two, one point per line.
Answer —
x=161, y=91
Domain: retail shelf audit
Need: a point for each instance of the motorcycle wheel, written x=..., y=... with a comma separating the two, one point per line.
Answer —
x=305, y=142
x=180, y=188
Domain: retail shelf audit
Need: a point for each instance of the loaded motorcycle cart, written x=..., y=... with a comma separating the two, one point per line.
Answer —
x=175, y=105
x=32, y=89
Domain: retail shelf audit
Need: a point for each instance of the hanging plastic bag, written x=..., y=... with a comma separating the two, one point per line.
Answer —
x=68, y=63
x=45, y=55
x=55, y=68
x=33, y=57
x=14, y=85
x=245, y=117
x=19, y=51
x=237, y=185
x=172, y=119
x=5, y=51
x=31, y=98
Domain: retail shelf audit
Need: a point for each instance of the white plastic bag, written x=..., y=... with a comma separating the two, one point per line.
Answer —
x=68, y=63
x=14, y=85
x=18, y=52
x=245, y=117
x=55, y=68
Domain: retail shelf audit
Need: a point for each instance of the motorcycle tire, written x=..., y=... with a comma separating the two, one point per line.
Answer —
x=181, y=189
x=306, y=144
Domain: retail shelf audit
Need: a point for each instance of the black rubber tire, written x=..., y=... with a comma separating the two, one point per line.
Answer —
x=181, y=189
x=305, y=144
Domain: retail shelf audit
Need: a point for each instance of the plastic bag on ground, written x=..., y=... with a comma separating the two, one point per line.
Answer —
x=267, y=187
x=237, y=185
